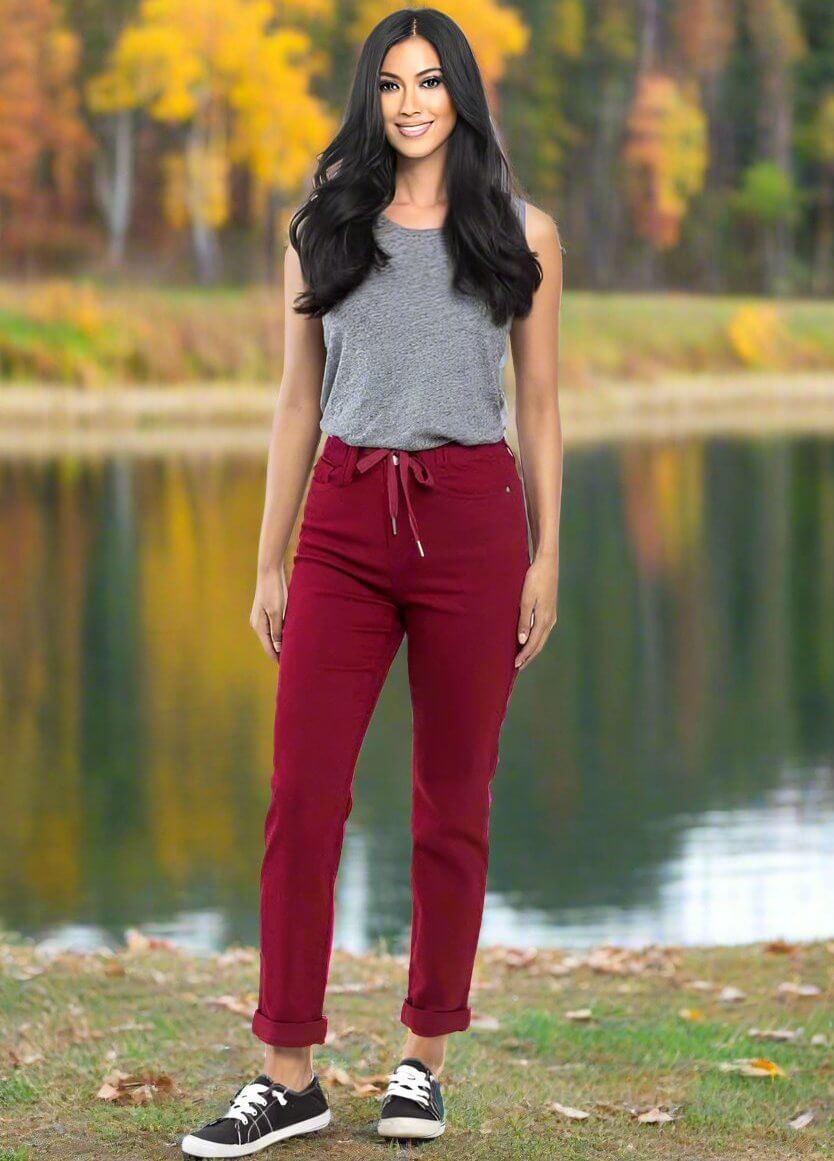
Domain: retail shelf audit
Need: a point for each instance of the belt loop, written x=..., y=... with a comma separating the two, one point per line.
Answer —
x=350, y=463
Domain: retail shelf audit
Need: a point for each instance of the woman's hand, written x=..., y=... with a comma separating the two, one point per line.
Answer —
x=538, y=607
x=267, y=617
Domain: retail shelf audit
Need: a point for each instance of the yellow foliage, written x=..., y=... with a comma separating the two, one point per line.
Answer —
x=569, y=27
x=665, y=155
x=207, y=173
x=758, y=336
x=237, y=80
x=57, y=301
x=494, y=32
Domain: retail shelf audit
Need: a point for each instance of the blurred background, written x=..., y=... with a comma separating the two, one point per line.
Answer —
x=665, y=770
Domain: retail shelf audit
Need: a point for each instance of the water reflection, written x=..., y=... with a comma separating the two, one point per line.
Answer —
x=665, y=769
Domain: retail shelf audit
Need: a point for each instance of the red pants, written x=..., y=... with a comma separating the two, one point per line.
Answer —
x=432, y=544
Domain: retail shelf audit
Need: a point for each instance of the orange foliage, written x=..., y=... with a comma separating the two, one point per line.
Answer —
x=42, y=138
x=665, y=155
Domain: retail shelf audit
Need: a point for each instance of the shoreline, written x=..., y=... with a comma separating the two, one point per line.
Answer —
x=221, y=418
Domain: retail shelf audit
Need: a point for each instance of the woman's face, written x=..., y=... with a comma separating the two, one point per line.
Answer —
x=415, y=103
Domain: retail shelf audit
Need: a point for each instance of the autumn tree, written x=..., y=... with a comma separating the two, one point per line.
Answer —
x=665, y=156
x=42, y=138
x=236, y=86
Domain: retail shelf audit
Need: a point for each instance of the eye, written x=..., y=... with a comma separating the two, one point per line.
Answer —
x=382, y=85
x=438, y=79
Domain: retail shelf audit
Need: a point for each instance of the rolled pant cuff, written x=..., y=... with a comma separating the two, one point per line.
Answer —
x=426, y=1023
x=285, y=1035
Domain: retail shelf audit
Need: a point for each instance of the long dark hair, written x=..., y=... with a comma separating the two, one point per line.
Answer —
x=354, y=181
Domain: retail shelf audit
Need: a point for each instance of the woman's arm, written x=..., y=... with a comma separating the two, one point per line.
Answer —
x=292, y=447
x=535, y=347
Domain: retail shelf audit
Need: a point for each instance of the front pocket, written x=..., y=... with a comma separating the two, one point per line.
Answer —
x=478, y=475
x=324, y=470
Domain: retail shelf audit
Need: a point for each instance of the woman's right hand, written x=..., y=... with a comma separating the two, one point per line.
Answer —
x=267, y=617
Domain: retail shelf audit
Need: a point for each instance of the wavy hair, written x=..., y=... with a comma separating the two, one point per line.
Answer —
x=354, y=181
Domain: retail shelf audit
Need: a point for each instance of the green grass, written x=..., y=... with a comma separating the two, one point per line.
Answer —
x=82, y=1015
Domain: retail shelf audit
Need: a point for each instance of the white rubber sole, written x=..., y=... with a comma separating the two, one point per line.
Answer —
x=414, y=1127
x=196, y=1147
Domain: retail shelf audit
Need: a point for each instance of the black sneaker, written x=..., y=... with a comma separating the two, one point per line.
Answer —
x=412, y=1105
x=261, y=1113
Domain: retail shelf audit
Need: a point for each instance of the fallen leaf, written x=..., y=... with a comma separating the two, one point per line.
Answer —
x=691, y=1014
x=484, y=1023
x=579, y=1014
x=780, y=947
x=731, y=995
x=567, y=1111
x=231, y=1004
x=235, y=955
x=756, y=1066
x=818, y=1040
x=136, y=1089
x=332, y=1074
x=774, y=1033
x=702, y=986
x=655, y=1116
x=520, y=957
x=137, y=941
x=802, y=1120
x=801, y=990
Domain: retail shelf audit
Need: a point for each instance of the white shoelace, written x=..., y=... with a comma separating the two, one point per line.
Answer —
x=245, y=1104
x=408, y=1081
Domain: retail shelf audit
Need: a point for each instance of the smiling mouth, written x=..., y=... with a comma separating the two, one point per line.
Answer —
x=415, y=130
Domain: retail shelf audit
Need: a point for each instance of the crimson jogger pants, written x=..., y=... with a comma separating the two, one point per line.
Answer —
x=432, y=545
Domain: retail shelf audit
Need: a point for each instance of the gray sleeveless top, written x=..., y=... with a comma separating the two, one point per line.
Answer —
x=411, y=363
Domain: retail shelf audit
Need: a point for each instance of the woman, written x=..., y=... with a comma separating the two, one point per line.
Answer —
x=409, y=265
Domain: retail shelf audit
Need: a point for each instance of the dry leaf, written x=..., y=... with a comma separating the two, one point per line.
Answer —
x=780, y=947
x=332, y=1074
x=137, y=941
x=655, y=1116
x=802, y=1120
x=758, y=1066
x=520, y=957
x=731, y=995
x=567, y=1111
x=774, y=1033
x=701, y=986
x=818, y=1040
x=579, y=1014
x=235, y=955
x=231, y=1004
x=484, y=1023
x=138, y=1089
x=801, y=990
x=691, y=1014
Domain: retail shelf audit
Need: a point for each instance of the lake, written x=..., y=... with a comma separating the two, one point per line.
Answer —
x=665, y=770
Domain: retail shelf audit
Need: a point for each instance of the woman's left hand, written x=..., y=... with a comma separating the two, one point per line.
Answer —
x=537, y=615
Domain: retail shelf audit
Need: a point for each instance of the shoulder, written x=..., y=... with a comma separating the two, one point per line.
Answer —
x=540, y=229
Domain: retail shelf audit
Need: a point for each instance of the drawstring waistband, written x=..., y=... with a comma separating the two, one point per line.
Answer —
x=407, y=462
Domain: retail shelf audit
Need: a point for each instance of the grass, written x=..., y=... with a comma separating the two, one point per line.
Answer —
x=98, y=336
x=69, y=1020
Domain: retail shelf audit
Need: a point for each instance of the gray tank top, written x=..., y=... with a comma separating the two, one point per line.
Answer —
x=411, y=363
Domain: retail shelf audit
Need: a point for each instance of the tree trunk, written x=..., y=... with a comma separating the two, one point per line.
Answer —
x=114, y=183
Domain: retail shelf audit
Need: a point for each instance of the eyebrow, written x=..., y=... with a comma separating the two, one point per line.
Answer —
x=433, y=69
